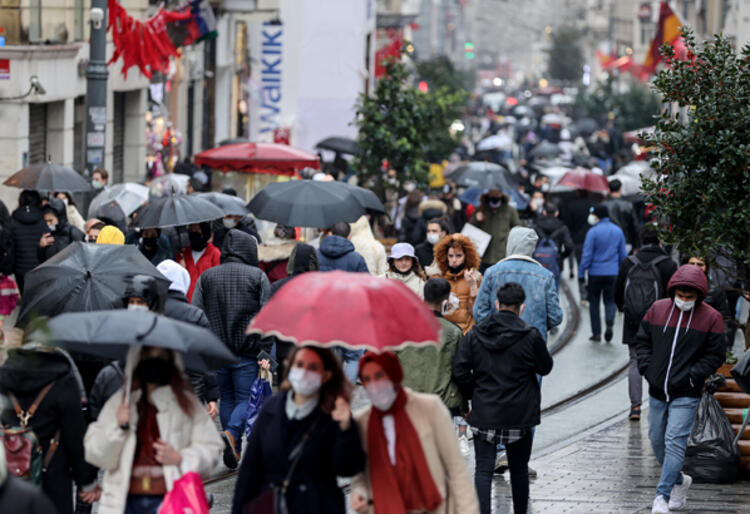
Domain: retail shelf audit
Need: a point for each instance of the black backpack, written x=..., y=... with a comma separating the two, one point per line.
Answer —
x=642, y=288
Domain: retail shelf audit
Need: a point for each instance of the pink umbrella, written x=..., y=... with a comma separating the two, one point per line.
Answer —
x=586, y=180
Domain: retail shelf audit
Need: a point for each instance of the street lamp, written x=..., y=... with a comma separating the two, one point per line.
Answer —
x=96, y=88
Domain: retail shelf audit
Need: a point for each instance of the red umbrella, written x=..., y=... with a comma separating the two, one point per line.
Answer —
x=269, y=158
x=587, y=180
x=355, y=310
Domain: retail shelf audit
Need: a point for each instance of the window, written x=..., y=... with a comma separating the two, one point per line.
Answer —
x=37, y=133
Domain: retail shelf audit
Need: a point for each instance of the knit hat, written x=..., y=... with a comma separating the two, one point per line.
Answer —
x=388, y=361
x=600, y=211
x=111, y=235
x=402, y=250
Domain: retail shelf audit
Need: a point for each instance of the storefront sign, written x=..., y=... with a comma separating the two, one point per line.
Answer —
x=270, y=76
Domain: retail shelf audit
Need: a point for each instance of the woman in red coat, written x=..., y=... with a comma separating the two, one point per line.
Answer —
x=199, y=255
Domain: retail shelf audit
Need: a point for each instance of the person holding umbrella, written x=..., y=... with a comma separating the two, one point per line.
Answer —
x=199, y=255
x=414, y=462
x=152, y=244
x=305, y=438
x=59, y=232
x=149, y=433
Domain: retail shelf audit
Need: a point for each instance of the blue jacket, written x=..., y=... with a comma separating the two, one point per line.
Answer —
x=542, y=304
x=603, y=250
x=337, y=253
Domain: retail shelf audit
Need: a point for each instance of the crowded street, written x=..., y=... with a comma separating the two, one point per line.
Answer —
x=374, y=257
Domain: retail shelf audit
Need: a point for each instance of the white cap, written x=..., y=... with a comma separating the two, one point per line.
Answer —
x=402, y=250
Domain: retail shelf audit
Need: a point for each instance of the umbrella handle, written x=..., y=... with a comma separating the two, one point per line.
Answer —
x=140, y=337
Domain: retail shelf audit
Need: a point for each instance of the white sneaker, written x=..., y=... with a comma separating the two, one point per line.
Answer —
x=660, y=505
x=678, y=496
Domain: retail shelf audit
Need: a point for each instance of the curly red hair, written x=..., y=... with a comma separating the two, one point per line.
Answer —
x=458, y=241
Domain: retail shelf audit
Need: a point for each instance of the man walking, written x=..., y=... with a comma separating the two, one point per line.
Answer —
x=231, y=294
x=603, y=251
x=496, y=365
x=679, y=344
x=336, y=252
x=496, y=217
x=642, y=280
x=622, y=213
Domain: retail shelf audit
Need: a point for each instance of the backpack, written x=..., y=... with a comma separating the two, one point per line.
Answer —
x=642, y=288
x=23, y=450
x=546, y=254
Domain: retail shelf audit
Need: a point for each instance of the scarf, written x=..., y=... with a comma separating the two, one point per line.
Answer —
x=407, y=486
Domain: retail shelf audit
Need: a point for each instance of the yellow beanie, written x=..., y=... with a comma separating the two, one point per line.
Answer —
x=110, y=235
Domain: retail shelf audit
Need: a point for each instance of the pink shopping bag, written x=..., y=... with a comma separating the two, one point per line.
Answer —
x=186, y=497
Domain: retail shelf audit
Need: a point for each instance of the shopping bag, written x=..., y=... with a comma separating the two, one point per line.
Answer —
x=712, y=455
x=186, y=497
x=741, y=372
x=260, y=390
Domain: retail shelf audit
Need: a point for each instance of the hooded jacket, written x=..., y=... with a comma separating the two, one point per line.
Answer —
x=304, y=258
x=112, y=449
x=246, y=225
x=232, y=293
x=24, y=232
x=337, y=253
x=542, y=301
x=64, y=232
x=365, y=244
x=496, y=366
x=25, y=373
x=678, y=350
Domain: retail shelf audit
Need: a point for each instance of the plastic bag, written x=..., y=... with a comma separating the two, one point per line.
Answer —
x=711, y=455
x=187, y=496
x=260, y=390
x=741, y=372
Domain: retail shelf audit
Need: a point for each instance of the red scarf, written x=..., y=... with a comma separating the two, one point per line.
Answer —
x=407, y=486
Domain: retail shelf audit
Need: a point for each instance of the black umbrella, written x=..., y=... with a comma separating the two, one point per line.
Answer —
x=546, y=150
x=109, y=334
x=177, y=210
x=307, y=203
x=484, y=175
x=110, y=213
x=367, y=198
x=585, y=126
x=340, y=145
x=48, y=176
x=84, y=277
x=230, y=205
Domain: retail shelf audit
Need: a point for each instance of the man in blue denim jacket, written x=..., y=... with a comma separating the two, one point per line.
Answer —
x=542, y=303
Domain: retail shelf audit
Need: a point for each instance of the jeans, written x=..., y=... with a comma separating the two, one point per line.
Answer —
x=518, y=462
x=669, y=425
x=235, y=382
x=635, y=381
x=601, y=286
x=143, y=504
x=350, y=362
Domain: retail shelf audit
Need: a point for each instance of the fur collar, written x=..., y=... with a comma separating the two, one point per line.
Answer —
x=275, y=250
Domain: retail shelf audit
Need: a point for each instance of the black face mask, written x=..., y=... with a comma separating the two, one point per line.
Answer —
x=149, y=243
x=154, y=370
x=197, y=241
x=457, y=269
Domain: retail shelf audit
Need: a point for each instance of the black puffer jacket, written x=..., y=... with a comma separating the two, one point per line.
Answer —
x=24, y=232
x=622, y=214
x=24, y=374
x=496, y=366
x=64, y=233
x=246, y=225
x=108, y=381
x=177, y=307
x=232, y=293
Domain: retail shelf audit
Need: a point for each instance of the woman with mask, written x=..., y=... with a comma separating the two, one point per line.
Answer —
x=414, y=462
x=199, y=255
x=145, y=444
x=437, y=229
x=458, y=260
x=152, y=244
x=304, y=437
x=74, y=217
x=59, y=233
x=404, y=267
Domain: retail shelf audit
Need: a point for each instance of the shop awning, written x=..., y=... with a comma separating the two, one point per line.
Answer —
x=268, y=158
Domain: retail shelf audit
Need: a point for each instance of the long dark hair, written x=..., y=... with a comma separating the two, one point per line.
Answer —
x=415, y=267
x=338, y=385
x=180, y=385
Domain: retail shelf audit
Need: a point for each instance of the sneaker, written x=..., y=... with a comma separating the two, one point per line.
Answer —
x=660, y=505
x=501, y=463
x=532, y=472
x=595, y=339
x=608, y=333
x=230, y=455
x=678, y=496
x=635, y=414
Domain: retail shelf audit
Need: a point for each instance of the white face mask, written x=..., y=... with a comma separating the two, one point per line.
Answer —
x=536, y=204
x=64, y=200
x=52, y=227
x=305, y=382
x=229, y=222
x=382, y=394
x=683, y=305
x=96, y=184
x=450, y=305
x=136, y=307
x=433, y=238
x=545, y=187
x=592, y=219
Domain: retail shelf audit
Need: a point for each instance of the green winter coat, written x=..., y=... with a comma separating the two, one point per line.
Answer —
x=427, y=368
x=497, y=223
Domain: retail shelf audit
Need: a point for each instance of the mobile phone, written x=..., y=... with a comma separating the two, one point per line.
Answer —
x=264, y=355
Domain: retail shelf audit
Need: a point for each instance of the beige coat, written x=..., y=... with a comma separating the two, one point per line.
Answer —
x=368, y=247
x=434, y=426
x=112, y=449
x=412, y=281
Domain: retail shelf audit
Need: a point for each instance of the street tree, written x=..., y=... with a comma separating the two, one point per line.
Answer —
x=702, y=151
x=633, y=108
x=565, y=56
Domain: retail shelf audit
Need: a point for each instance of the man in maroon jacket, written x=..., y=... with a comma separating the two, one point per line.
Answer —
x=679, y=344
